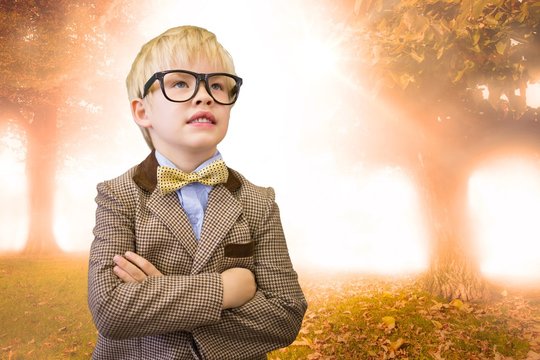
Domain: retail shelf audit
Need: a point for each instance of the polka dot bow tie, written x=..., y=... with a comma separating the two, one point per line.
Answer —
x=170, y=179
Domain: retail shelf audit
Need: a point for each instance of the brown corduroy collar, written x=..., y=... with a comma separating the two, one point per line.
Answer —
x=146, y=175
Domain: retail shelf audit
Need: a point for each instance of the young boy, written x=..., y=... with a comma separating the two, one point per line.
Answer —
x=189, y=259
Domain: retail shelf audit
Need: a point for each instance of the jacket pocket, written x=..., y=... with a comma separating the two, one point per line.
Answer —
x=240, y=250
x=238, y=255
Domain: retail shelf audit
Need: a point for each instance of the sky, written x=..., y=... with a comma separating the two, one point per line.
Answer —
x=296, y=104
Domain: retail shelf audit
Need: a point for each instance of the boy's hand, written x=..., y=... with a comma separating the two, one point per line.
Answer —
x=133, y=268
x=238, y=287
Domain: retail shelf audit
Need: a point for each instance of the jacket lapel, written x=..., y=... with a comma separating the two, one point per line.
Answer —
x=220, y=216
x=165, y=207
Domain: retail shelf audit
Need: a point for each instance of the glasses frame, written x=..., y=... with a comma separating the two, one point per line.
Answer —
x=198, y=76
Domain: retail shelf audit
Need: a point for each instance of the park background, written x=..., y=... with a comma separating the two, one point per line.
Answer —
x=416, y=123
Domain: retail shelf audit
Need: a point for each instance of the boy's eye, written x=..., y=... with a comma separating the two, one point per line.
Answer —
x=178, y=81
x=181, y=85
x=217, y=86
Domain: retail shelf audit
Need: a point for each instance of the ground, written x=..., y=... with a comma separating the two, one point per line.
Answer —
x=44, y=315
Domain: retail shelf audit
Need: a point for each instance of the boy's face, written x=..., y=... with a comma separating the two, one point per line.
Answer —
x=194, y=126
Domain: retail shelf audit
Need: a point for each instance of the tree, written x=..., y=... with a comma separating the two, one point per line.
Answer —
x=431, y=59
x=47, y=47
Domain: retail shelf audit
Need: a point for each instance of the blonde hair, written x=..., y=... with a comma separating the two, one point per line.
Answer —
x=183, y=44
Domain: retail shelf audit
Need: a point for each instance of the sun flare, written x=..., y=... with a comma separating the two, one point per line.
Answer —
x=372, y=224
x=13, y=212
x=504, y=197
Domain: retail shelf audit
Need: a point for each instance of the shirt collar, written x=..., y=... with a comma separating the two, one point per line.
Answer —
x=163, y=161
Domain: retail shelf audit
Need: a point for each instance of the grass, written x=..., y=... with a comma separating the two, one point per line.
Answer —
x=354, y=318
x=44, y=315
x=43, y=309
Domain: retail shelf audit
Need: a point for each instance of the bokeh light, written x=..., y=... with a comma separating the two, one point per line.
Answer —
x=504, y=196
x=13, y=212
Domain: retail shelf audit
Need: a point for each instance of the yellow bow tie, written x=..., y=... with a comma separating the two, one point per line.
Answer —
x=170, y=179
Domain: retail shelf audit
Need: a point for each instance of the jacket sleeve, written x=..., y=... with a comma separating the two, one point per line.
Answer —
x=158, y=305
x=272, y=319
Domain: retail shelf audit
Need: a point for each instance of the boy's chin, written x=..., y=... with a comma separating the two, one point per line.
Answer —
x=202, y=147
x=204, y=143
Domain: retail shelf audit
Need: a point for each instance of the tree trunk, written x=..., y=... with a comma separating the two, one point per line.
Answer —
x=454, y=272
x=40, y=170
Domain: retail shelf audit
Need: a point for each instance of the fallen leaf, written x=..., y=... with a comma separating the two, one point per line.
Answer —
x=458, y=304
x=72, y=350
x=314, y=356
x=389, y=322
x=437, y=307
x=302, y=342
x=397, y=344
x=437, y=324
x=342, y=339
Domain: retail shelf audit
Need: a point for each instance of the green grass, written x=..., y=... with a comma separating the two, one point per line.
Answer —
x=44, y=315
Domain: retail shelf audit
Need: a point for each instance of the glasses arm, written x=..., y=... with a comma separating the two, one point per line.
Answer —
x=150, y=82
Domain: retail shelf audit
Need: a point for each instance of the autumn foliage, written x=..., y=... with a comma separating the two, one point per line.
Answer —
x=441, y=50
x=428, y=63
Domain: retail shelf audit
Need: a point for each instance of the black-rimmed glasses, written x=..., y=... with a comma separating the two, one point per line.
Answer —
x=182, y=85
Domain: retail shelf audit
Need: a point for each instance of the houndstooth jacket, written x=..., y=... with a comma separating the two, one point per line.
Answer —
x=179, y=315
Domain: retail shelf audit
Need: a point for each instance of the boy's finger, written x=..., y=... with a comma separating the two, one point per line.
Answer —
x=124, y=276
x=129, y=268
x=143, y=264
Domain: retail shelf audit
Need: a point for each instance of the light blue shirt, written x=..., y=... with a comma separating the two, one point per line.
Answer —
x=193, y=197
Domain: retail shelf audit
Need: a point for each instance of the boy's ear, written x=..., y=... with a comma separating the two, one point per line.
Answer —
x=139, y=112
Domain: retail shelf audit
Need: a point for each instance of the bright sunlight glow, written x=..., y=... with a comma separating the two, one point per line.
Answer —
x=297, y=103
x=13, y=212
x=504, y=197
x=533, y=95
x=367, y=221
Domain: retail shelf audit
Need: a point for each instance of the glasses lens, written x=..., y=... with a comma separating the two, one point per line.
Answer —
x=223, y=88
x=179, y=86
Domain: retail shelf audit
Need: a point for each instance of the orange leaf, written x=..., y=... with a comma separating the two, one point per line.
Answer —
x=437, y=324
x=397, y=344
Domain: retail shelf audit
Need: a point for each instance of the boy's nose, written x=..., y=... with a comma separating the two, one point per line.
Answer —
x=202, y=96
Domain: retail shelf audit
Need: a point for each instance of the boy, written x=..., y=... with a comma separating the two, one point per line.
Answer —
x=189, y=259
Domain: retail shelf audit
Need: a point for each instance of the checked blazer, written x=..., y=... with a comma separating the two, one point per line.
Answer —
x=179, y=315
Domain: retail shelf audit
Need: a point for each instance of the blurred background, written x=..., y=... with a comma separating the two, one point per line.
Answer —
x=416, y=124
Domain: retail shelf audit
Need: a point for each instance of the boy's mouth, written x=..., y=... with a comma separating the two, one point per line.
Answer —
x=202, y=117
